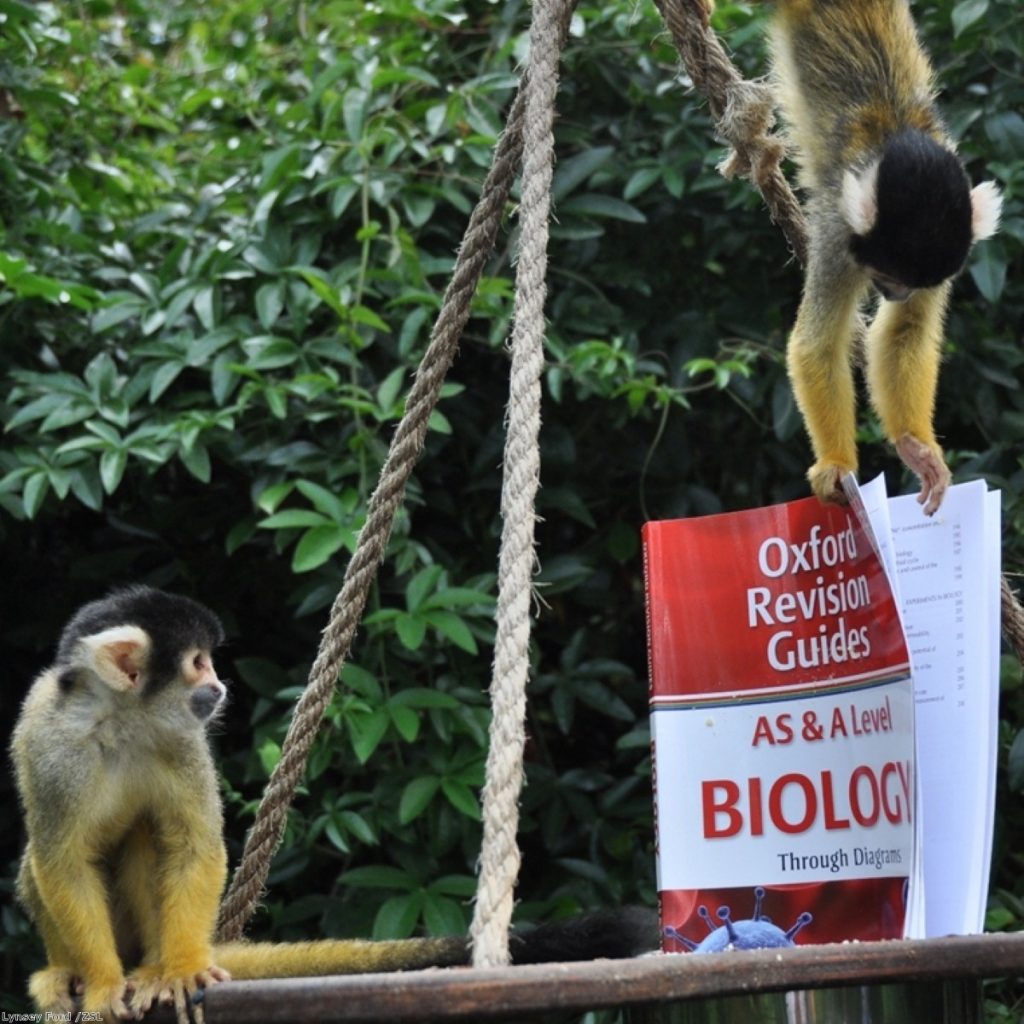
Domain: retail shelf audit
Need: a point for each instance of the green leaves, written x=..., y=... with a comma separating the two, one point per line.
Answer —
x=458, y=788
x=330, y=525
x=18, y=275
x=439, y=904
x=988, y=270
x=454, y=612
x=967, y=13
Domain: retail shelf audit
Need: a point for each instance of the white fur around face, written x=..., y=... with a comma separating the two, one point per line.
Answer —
x=857, y=201
x=986, y=208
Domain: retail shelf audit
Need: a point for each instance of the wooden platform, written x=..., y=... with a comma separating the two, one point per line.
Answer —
x=518, y=992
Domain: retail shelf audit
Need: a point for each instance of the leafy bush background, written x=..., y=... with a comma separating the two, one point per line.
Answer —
x=225, y=233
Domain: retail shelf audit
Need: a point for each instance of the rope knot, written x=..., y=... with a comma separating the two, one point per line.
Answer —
x=745, y=125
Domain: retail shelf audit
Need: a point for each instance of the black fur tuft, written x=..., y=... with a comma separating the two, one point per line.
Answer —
x=614, y=934
x=66, y=680
x=922, y=233
x=173, y=623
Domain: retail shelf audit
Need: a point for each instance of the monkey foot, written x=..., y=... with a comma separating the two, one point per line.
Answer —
x=926, y=461
x=151, y=985
x=826, y=479
x=53, y=990
x=110, y=1001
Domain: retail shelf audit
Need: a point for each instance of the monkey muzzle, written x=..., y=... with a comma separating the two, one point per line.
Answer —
x=206, y=699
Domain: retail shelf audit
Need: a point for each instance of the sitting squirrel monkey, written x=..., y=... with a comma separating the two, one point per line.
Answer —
x=889, y=205
x=125, y=860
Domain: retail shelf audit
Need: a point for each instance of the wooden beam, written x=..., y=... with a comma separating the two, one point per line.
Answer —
x=465, y=994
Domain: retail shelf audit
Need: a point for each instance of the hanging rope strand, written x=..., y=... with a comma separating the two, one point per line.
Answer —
x=1013, y=619
x=477, y=244
x=499, y=858
x=743, y=113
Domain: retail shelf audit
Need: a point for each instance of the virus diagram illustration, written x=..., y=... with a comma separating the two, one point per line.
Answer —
x=756, y=933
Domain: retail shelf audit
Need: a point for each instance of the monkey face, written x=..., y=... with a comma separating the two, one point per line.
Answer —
x=149, y=650
x=207, y=691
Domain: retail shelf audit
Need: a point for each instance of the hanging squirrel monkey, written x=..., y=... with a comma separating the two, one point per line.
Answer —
x=125, y=859
x=889, y=205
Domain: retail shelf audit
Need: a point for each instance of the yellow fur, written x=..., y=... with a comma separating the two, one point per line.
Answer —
x=125, y=862
x=819, y=358
x=339, y=956
x=851, y=76
x=823, y=51
x=904, y=346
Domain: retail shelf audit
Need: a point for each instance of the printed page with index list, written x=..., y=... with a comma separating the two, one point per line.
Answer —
x=945, y=573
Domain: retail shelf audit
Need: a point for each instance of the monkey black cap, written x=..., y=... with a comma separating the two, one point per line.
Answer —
x=922, y=231
x=173, y=623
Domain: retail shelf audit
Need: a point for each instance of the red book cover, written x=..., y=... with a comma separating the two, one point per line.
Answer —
x=782, y=725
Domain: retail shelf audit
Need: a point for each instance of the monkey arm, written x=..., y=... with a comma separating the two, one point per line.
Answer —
x=819, y=359
x=904, y=348
x=190, y=889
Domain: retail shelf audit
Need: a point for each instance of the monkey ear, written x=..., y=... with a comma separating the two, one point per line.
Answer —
x=986, y=208
x=858, y=202
x=118, y=655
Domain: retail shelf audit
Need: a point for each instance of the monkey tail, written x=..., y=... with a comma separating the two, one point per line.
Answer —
x=623, y=932
x=249, y=960
x=612, y=934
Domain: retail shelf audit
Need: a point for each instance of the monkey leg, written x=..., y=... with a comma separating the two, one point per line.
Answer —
x=136, y=912
x=818, y=357
x=76, y=925
x=904, y=348
x=52, y=988
x=192, y=873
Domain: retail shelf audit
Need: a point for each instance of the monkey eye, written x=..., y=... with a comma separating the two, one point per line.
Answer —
x=199, y=662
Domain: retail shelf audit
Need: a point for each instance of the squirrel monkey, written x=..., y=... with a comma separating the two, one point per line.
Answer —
x=125, y=859
x=889, y=205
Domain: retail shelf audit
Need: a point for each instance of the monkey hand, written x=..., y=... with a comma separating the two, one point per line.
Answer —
x=927, y=462
x=826, y=479
x=150, y=984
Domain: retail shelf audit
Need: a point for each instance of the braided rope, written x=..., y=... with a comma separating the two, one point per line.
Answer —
x=1013, y=619
x=477, y=244
x=264, y=838
x=499, y=857
x=743, y=113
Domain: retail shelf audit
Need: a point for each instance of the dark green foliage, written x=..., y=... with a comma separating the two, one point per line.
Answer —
x=224, y=234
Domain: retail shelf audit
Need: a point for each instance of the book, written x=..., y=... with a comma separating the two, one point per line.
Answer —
x=789, y=784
